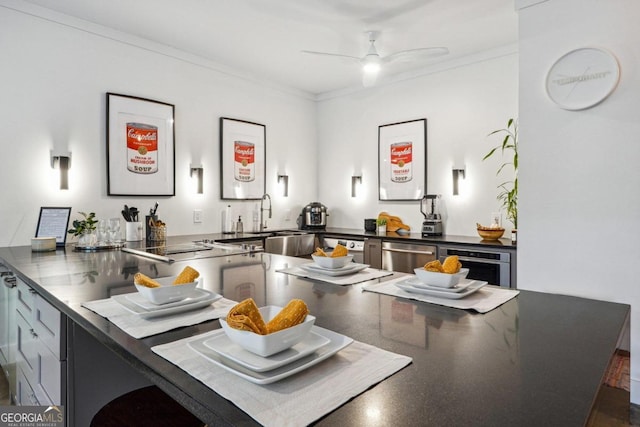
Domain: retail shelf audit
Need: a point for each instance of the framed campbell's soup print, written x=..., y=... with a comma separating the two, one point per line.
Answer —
x=140, y=147
x=242, y=159
x=402, y=160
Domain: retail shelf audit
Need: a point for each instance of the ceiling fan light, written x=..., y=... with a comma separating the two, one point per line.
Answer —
x=371, y=68
x=371, y=64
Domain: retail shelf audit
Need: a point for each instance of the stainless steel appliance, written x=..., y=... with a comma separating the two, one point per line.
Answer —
x=355, y=247
x=432, y=224
x=313, y=217
x=187, y=251
x=405, y=257
x=490, y=265
x=292, y=243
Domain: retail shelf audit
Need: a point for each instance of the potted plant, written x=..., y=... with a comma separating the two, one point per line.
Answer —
x=85, y=229
x=508, y=194
x=382, y=225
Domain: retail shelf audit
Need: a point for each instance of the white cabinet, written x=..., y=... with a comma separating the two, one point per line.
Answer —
x=8, y=294
x=7, y=309
x=41, y=350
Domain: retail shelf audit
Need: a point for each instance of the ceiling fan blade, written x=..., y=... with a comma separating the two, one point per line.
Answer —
x=408, y=55
x=312, y=52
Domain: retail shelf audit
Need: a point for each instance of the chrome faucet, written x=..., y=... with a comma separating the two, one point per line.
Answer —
x=263, y=224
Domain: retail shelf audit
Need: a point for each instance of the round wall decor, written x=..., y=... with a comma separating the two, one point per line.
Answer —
x=582, y=78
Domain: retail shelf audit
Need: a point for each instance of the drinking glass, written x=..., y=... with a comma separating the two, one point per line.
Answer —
x=114, y=230
x=102, y=231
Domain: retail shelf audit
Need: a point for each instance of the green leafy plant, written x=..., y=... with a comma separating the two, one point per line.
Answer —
x=381, y=221
x=508, y=193
x=81, y=226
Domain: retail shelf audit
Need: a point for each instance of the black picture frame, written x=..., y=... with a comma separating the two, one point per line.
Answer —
x=240, y=181
x=54, y=222
x=402, y=160
x=142, y=166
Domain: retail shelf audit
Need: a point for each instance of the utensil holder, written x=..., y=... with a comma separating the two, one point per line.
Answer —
x=133, y=231
x=148, y=221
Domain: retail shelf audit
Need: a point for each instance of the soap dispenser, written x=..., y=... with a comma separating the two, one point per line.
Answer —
x=239, y=225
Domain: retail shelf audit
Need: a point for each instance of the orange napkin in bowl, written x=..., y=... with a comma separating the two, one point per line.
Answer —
x=292, y=314
x=141, y=279
x=246, y=316
x=187, y=275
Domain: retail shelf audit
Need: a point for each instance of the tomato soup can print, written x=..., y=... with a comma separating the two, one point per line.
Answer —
x=401, y=161
x=142, y=148
x=244, y=161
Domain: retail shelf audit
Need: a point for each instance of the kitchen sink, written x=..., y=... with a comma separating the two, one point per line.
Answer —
x=290, y=233
x=276, y=233
x=292, y=243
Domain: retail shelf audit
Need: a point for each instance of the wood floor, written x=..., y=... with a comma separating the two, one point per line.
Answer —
x=611, y=409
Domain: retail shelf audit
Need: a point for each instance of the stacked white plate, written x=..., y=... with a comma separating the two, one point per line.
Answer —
x=136, y=303
x=319, y=345
x=462, y=289
x=350, y=268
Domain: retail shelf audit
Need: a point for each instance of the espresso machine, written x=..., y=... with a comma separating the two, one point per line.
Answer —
x=313, y=217
x=432, y=224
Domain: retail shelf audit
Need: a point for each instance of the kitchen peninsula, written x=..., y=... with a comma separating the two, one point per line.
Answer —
x=539, y=359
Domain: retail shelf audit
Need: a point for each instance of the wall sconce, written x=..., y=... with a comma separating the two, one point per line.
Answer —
x=356, y=181
x=62, y=161
x=283, y=183
x=458, y=173
x=197, y=174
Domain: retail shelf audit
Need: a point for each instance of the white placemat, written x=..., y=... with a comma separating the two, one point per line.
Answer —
x=351, y=279
x=138, y=327
x=482, y=301
x=300, y=399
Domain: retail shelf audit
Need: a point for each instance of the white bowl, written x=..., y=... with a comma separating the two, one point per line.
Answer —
x=332, y=263
x=270, y=344
x=167, y=292
x=443, y=280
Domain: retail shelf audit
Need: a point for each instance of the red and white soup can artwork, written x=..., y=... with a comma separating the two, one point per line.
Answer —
x=244, y=154
x=401, y=161
x=142, y=148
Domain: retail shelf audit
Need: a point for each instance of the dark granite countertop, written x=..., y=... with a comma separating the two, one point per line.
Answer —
x=447, y=239
x=354, y=233
x=539, y=359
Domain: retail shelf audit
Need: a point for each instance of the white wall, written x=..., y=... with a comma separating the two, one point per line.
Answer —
x=579, y=216
x=462, y=105
x=53, y=83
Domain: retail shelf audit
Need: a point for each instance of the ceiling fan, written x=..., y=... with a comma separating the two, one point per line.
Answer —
x=372, y=62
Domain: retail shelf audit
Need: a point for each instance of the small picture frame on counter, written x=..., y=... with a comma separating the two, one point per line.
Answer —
x=54, y=222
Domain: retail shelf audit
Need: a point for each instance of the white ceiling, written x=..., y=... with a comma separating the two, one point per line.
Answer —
x=264, y=38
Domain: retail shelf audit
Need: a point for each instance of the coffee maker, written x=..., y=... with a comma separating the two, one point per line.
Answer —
x=313, y=217
x=432, y=224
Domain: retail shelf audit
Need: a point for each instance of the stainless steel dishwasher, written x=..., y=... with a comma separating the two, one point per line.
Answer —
x=404, y=257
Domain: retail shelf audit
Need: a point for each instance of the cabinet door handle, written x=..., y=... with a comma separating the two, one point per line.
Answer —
x=409, y=251
x=33, y=333
x=9, y=282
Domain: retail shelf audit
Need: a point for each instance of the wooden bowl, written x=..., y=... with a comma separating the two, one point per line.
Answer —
x=493, y=234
